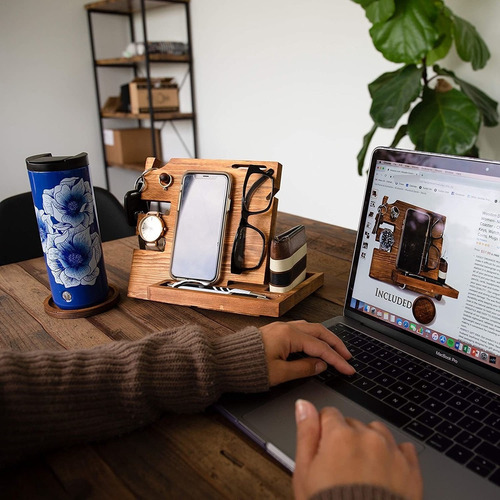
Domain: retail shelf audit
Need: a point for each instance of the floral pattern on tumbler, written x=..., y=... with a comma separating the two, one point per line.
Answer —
x=69, y=230
x=73, y=252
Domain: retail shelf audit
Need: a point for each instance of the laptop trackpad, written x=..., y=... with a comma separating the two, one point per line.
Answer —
x=275, y=421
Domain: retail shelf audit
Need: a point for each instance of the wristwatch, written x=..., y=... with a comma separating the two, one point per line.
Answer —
x=151, y=230
x=386, y=240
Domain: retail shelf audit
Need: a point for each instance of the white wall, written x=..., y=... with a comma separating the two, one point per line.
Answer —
x=47, y=97
x=282, y=80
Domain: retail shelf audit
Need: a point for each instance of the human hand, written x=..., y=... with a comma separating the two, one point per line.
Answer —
x=333, y=451
x=282, y=339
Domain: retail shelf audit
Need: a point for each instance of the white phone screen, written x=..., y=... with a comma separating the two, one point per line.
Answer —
x=200, y=226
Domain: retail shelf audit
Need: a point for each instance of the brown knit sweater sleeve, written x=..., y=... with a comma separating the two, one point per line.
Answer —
x=50, y=399
x=356, y=492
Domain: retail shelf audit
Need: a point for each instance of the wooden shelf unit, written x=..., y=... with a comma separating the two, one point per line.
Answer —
x=159, y=116
x=128, y=6
x=131, y=61
x=131, y=9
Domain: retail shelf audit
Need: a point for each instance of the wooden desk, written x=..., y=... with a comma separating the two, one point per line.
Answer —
x=193, y=456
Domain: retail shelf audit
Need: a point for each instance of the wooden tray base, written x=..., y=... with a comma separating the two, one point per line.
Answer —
x=425, y=287
x=56, y=312
x=277, y=304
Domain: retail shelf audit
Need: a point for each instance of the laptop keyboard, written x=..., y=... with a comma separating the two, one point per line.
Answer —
x=447, y=412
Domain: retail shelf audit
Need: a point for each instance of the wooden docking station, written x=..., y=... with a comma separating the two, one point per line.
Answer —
x=383, y=266
x=150, y=270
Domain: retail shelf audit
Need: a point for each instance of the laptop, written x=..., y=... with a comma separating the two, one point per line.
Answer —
x=422, y=319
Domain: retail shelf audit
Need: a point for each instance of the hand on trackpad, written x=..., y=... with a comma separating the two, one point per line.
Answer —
x=275, y=420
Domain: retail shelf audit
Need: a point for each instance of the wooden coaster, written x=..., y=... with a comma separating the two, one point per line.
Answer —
x=424, y=310
x=56, y=312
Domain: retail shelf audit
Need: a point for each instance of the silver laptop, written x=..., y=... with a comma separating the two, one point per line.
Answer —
x=422, y=318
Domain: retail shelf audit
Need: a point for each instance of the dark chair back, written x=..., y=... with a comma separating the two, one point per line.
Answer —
x=113, y=222
x=19, y=236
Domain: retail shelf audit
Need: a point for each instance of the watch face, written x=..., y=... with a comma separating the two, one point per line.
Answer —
x=386, y=240
x=151, y=228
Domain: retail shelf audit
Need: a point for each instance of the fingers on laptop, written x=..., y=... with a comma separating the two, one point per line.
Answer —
x=282, y=339
x=362, y=453
x=308, y=433
x=315, y=331
x=315, y=340
x=319, y=349
x=284, y=371
x=281, y=370
x=322, y=333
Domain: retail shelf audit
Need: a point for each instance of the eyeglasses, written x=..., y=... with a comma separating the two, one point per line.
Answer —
x=433, y=253
x=250, y=242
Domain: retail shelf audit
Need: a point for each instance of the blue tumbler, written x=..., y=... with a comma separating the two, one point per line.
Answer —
x=69, y=231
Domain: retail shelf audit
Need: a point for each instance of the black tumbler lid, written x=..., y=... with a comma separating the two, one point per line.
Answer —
x=45, y=162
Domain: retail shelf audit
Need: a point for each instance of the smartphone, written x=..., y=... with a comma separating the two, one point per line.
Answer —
x=413, y=241
x=204, y=201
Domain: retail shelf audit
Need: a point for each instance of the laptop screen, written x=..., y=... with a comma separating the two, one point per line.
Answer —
x=427, y=259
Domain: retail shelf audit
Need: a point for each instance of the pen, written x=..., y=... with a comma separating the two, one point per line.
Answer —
x=416, y=276
x=423, y=278
x=220, y=289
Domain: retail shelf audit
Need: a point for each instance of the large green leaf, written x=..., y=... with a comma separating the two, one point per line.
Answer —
x=444, y=25
x=392, y=94
x=377, y=10
x=380, y=10
x=409, y=34
x=402, y=131
x=444, y=122
x=487, y=106
x=364, y=3
x=364, y=148
x=470, y=46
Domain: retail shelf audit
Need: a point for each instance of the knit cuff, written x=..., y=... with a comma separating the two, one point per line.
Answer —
x=241, y=361
x=356, y=492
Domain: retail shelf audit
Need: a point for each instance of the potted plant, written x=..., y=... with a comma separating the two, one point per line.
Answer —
x=446, y=112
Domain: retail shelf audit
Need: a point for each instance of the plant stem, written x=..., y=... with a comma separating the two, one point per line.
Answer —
x=424, y=71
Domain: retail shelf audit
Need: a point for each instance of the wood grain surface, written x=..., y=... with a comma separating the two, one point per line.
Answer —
x=179, y=456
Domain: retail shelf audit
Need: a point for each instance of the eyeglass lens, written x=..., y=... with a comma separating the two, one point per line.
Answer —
x=249, y=247
x=258, y=192
x=434, y=253
x=433, y=257
x=437, y=229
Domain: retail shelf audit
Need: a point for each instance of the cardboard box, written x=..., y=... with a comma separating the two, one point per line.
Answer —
x=130, y=145
x=164, y=93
